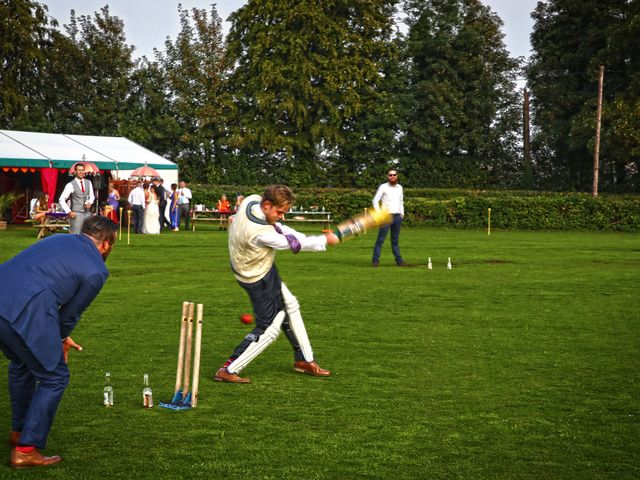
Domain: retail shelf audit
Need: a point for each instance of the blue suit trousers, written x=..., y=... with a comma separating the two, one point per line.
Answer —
x=35, y=392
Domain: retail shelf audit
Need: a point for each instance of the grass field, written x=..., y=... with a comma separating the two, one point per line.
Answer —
x=522, y=362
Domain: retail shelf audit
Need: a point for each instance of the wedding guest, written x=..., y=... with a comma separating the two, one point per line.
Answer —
x=151, y=225
x=40, y=207
x=174, y=213
x=79, y=192
x=51, y=283
x=137, y=201
x=224, y=209
x=162, y=201
x=113, y=200
x=184, y=199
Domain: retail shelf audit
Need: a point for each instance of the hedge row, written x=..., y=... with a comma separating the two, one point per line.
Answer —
x=469, y=209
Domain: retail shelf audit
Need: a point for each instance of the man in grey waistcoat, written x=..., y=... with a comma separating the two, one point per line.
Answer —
x=80, y=192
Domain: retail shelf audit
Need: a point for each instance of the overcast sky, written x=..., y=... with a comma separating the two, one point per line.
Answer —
x=148, y=22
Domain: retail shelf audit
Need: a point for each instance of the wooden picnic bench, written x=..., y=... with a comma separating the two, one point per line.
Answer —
x=205, y=215
x=54, y=222
x=313, y=216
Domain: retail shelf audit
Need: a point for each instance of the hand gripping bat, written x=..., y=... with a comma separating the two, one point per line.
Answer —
x=354, y=226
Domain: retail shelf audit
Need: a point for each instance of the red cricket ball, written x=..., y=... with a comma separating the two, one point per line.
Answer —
x=246, y=318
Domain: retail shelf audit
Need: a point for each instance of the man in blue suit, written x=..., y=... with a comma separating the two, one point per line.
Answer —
x=45, y=289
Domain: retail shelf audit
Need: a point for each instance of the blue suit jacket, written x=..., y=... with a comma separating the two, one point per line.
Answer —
x=45, y=288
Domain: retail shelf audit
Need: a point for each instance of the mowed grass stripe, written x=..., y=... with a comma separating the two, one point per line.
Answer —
x=520, y=362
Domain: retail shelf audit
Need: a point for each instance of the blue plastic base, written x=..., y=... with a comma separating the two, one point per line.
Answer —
x=177, y=403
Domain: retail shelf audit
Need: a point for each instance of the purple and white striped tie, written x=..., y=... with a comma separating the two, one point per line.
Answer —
x=294, y=243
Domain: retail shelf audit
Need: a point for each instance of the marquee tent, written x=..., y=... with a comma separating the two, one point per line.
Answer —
x=42, y=150
x=48, y=153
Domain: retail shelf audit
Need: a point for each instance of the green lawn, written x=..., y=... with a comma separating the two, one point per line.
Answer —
x=522, y=362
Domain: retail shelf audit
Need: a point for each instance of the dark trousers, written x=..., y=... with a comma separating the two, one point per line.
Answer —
x=35, y=392
x=138, y=218
x=163, y=219
x=266, y=298
x=185, y=212
x=395, y=238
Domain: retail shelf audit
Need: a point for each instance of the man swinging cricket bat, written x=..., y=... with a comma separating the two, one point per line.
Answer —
x=254, y=237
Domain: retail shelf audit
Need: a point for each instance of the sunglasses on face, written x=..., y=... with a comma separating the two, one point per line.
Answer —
x=392, y=175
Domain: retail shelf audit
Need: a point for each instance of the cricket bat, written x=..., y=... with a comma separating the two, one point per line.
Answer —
x=354, y=226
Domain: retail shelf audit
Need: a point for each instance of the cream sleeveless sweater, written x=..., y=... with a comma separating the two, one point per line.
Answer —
x=249, y=262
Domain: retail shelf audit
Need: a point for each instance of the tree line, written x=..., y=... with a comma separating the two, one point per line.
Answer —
x=332, y=93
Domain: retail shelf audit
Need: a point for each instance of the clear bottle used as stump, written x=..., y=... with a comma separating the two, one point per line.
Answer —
x=147, y=394
x=108, y=391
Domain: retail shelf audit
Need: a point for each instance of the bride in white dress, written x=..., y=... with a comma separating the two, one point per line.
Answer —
x=151, y=222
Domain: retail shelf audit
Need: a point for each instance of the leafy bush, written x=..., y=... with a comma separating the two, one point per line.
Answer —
x=524, y=210
x=7, y=201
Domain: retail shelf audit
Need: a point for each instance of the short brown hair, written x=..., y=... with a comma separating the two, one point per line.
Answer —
x=101, y=228
x=278, y=195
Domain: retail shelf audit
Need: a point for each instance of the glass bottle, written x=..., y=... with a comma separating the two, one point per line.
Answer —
x=108, y=391
x=147, y=394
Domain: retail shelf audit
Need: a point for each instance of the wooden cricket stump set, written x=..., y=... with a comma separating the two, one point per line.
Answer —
x=184, y=398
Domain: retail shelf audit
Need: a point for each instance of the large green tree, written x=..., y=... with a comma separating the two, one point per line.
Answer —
x=622, y=114
x=104, y=86
x=369, y=138
x=150, y=119
x=299, y=73
x=24, y=34
x=193, y=67
x=463, y=122
x=65, y=77
x=73, y=82
x=84, y=77
x=570, y=40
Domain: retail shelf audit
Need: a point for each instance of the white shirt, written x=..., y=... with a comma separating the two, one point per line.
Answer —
x=136, y=197
x=68, y=190
x=253, y=242
x=392, y=198
x=32, y=206
x=278, y=241
x=185, y=195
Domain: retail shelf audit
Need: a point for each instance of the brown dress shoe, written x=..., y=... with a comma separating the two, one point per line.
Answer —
x=33, y=459
x=311, y=368
x=222, y=375
x=14, y=438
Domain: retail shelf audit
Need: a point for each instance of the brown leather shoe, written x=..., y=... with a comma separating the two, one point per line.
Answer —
x=311, y=368
x=14, y=438
x=33, y=459
x=222, y=375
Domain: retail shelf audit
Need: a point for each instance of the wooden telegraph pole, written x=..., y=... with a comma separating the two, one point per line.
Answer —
x=526, y=143
x=596, y=153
